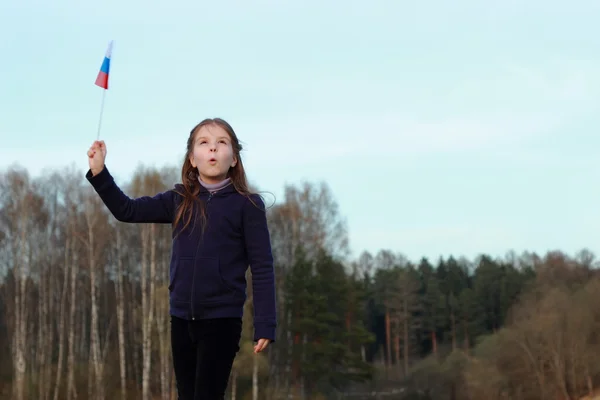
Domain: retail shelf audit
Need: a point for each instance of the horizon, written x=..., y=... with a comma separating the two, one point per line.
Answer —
x=354, y=255
x=441, y=129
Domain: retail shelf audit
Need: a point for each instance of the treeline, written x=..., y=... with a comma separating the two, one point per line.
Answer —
x=84, y=308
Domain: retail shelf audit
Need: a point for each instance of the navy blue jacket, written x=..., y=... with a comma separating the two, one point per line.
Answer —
x=207, y=271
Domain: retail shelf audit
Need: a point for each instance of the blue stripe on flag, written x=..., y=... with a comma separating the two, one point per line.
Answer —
x=105, y=65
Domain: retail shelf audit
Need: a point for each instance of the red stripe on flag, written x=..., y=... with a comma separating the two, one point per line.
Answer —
x=102, y=80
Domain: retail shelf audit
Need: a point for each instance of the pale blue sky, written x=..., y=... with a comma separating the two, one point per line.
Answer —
x=442, y=127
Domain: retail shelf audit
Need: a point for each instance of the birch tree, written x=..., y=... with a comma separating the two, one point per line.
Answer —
x=121, y=310
x=16, y=199
x=148, y=182
x=97, y=232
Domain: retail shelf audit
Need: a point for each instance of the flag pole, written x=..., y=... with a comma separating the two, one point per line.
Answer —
x=101, y=113
x=102, y=81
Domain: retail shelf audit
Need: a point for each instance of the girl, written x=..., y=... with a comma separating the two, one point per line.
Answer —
x=219, y=229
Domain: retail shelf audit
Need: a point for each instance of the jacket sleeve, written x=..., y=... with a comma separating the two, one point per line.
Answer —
x=145, y=209
x=260, y=258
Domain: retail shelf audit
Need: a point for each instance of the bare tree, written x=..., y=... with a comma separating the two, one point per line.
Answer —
x=146, y=339
x=162, y=313
x=16, y=199
x=45, y=259
x=148, y=182
x=121, y=311
x=148, y=234
x=63, y=213
x=95, y=241
x=73, y=298
x=62, y=317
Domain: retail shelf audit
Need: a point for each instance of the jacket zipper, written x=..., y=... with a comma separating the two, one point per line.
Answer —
x=210, y=195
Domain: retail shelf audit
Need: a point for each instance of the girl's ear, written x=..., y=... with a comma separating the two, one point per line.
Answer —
x=233, y=164
x=192, y=161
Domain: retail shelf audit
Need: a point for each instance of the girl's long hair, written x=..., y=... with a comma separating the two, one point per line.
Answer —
x=191, y=205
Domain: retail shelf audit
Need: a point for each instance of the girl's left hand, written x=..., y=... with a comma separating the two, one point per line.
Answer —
x=261, y=345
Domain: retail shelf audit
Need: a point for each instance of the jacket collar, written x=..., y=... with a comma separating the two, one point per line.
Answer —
x=225, y=190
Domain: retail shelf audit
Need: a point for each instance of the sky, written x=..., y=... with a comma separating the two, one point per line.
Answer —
x=442, y=128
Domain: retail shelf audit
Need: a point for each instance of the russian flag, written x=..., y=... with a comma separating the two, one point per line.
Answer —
x=102, y=79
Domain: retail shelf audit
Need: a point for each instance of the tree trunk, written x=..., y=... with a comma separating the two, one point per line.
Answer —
x=148, y=244
x=134, y=337
x=466, y=334
x=94, y=323
x=71, y=389
x=161, y=307
x=151, y=298
x=145, y=335
x=234, y=383
x=19, y=337
x=53, y=310
x=90, y=383
x=303, y=360
x=388, y=340
x=20, y=328
x=406, y=338
x=397, y=351
x=121, y=314
x=42, y=308
x=288, y=361
x=453, y=320
x=62, y=318
x=255, y=377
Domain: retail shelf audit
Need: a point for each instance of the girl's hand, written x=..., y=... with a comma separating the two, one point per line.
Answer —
x=96, y=156
x=261, y=345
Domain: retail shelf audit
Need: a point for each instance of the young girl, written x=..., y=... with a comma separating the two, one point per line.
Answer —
x=219, y=229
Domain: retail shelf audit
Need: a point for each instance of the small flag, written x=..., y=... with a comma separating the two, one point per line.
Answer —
x=102, y=79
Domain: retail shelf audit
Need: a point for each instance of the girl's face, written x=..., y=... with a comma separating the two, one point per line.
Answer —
x=212, y=153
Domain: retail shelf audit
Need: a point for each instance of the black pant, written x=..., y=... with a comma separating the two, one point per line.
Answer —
x=203, y=353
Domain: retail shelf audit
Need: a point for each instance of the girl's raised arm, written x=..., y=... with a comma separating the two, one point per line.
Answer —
x=157, y=209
